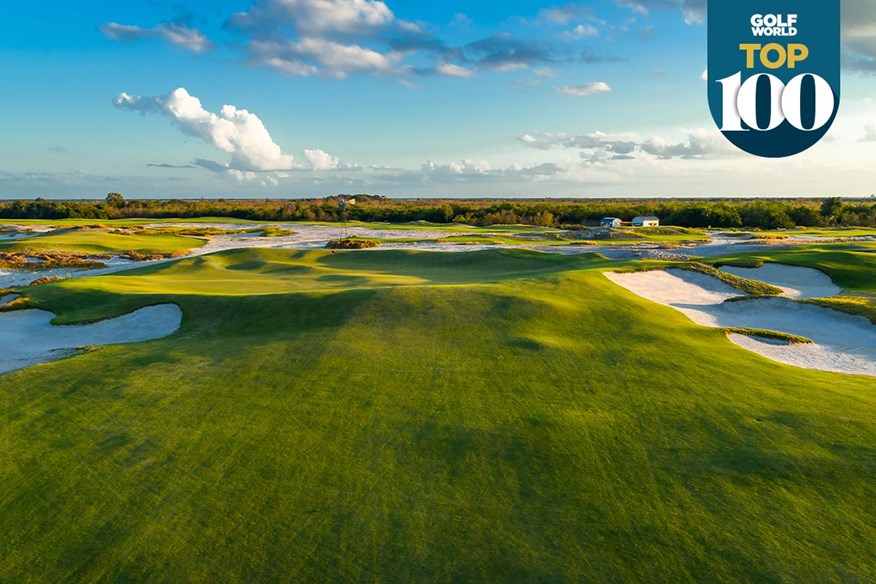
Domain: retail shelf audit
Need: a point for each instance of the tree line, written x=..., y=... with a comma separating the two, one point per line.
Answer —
x=723, y=213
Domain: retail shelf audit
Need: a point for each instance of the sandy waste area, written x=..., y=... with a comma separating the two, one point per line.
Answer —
x=842, y=342
x=28, y=337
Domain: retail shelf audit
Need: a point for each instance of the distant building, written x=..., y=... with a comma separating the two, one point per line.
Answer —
x=647, y=221
x=610, y=222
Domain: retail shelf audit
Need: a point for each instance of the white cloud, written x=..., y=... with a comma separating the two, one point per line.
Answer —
x=320, y=160
x=870, y=132
x=582, y=31
x=317, y=17
x=705, y=75
x=236, y=131
x=332, y=59
x=586, y=89
x=176, y=34
x=185, y=37
x=460, y=20
x=478, y=170
x=453, y=70
x=599, y=147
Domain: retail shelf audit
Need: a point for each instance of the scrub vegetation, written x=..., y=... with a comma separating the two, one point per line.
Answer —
x=715, y=213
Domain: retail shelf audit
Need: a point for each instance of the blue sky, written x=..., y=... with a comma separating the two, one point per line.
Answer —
x=292, y=98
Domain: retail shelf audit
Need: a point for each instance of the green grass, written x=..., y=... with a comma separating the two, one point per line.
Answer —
x=850, y=265
x=857, y=305
x=391, y=416
x=769, y=334
x=746, y=285
x=665, y=234
x=101, y=242
x=826, y=232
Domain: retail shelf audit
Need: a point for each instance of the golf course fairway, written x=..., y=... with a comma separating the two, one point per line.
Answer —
x=401, y=416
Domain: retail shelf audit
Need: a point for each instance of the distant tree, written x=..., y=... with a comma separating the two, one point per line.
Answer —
x=115, y=200
x=805, y=216
x=831, y=208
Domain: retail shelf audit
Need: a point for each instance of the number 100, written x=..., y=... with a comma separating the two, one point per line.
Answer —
x=785, y=101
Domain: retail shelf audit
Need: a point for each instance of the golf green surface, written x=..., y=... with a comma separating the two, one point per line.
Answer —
x=394, y=416
x=102, y=242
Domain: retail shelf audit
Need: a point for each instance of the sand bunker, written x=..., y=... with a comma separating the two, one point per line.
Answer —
x=28, y=337
x=842, y=342
x=797, y=282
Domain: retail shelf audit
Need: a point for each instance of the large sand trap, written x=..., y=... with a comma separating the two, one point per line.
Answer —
x=796, y=281
x=842, y=342
x=28, y=337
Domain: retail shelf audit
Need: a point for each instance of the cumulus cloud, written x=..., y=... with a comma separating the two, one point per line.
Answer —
x=598, y=147
x=177, y=34
x=236, y=131
x=469, y=171
x=582, y=30
x=321, y=160
x=452, y=70
x=318, y=56
x=585, y=89
x=316, y=17
x=339, y=38
x=323, y=37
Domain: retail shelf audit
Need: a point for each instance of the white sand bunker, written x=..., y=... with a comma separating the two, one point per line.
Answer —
x=796, y=281
x=28, y=337
x=842, y=342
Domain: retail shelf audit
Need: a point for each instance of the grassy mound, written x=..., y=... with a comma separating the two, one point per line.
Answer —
x=396, y=416
x=768, y=334
x=741, y=263
x=857, y=305
x=272, y=231
x=352, y=243
x=750, y=287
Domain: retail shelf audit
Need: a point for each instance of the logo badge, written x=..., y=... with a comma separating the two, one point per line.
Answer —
x=774, y=72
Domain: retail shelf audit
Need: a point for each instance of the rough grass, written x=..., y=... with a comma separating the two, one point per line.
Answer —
x=850, y=266
x=205, y=231
x=352, y=243
x=397, y=417
x=750, y=287
x=744, y=285
x=857, y=305
x=634, y=235
x=48, y=261
x=276, y=232
x=768, y=334
x=740, y=263
x=20, y=303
